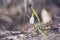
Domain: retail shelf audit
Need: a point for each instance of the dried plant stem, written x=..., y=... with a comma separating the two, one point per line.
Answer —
x=25, y=5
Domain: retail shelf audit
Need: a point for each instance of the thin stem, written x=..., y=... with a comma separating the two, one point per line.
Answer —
x=25, y=5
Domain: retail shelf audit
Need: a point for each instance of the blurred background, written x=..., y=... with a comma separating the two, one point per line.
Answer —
x=15, y=15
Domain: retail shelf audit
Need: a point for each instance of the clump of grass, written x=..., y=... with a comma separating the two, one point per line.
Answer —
x=39, y=27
